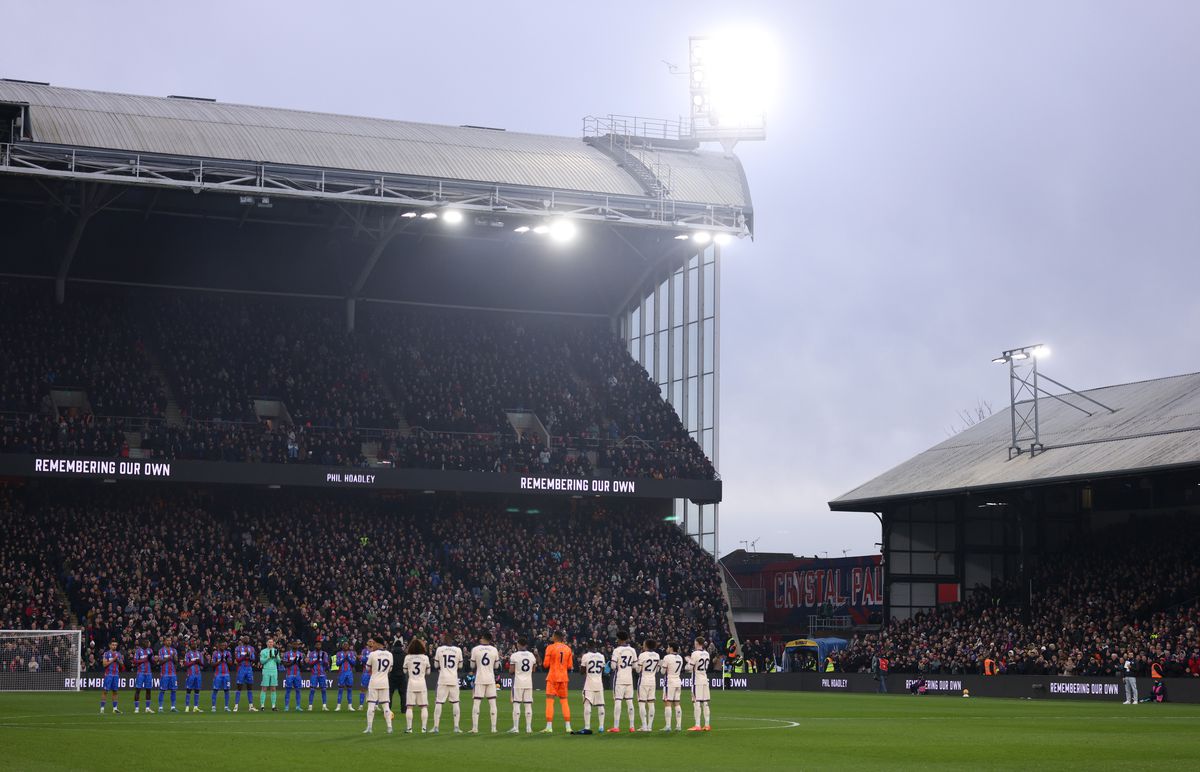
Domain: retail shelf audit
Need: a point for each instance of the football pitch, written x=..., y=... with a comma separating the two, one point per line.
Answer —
x=763, y=730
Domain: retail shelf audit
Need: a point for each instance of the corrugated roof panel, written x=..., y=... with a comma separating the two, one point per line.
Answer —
x=1156, y=423
x=241, y=132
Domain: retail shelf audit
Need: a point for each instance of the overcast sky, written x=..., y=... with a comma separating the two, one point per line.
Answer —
x=941, y=180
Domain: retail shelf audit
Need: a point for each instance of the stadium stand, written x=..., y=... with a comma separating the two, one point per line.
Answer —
x=208, y=564
x=1128, y=589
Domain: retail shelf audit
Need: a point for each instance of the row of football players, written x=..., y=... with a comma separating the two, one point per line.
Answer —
x=558, y=660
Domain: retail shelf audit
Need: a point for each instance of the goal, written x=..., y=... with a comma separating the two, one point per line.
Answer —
x=40, y=660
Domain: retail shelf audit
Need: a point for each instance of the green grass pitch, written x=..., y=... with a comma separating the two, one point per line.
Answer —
x=763, y=730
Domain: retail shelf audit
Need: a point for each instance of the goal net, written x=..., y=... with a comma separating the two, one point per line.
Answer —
x=39, y=660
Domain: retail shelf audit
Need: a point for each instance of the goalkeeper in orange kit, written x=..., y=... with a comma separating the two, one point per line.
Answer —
x=559, y=660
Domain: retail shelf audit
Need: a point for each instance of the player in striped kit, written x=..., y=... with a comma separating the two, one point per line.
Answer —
x=293, y=658
x=647, y=666
x=624, y=659
x=672, y=667
x=112, y=660
x=193, y=664
x=144, y=677
x=345, y=661
x=317, y=660
x=365, y=681
x=522, y=662
x=592, y=664
x=244, y=656
x=167, y=676
x=221, y=657
x=697, y=665
x=447, y=659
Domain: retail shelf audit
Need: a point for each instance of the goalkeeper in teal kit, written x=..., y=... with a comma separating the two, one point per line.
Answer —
x=269, y=659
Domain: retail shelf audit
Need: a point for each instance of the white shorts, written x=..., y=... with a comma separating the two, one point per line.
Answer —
x=448, y=693
x=485, y=691
x=379, y=694
x=418, y=697
x=623, y=692
x=593, y=696
x=700, y=689
x=671, y=692
x=522, y=694
x=646, y=692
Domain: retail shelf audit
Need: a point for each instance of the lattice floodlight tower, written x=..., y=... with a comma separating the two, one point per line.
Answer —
x=1024, y=391
x=726, y=107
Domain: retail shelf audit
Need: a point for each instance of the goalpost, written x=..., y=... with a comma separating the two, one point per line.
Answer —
x=40, y=660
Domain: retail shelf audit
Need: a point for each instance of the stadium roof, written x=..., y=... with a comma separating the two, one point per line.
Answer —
x=197, y=128
x=1155, y=426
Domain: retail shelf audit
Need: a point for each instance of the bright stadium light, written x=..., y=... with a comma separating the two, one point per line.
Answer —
x=541, y=230
x=409, y=215
x=429, y=215
x=452, y=216
x=682, y=237
x=732, y=83
x=722, y=238
x=521, y=229
x=1041, y=352
x=562, y=230
x=701, y=237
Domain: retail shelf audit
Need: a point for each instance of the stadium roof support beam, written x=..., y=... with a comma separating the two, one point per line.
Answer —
x=92, y=199
x=394, y=228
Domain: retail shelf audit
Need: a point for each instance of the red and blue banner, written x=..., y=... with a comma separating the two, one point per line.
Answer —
x=799, y=588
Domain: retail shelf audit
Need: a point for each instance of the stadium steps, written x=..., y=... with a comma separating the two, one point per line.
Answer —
x=733, y=633
x=403, y=426
x=134, y=441
x=370, y=451
x=171, y=411
x=615, y=147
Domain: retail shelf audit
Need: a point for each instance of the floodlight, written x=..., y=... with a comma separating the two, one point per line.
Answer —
x=682, y=237
x=521, y=229
x=409, y=215
x=452, y=216
x=722, y=238
x=701, y=237
x=999, y=360
x=429, y=215
x=1019, y=355
x=541, y=230
x=562, y=230
x=1041, y=352
x=733, y=78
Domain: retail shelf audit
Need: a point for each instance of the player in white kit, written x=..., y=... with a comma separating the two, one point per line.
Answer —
x=647, y=666
x=379, y=667
x=522, y=662
x=697, y=665
x=484, y=661
x=416, y=667
x=672, y=668
x=624, y=660
x=447, y=659
x=592, y=665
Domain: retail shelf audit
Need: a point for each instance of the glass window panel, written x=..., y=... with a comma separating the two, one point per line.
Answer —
x=945, y=564
x=662, y=359
x=900, y=562
x=901, y=533
x=710, y=290
x=901, y=593
x=709, y=542
x=677, y=311
x=710, y=346
x=662, y=307
x=635, y=322
x=706, y=442
x=923, y=511
x=693, y=295
x=922, y=562
x=709, y=406
x=924, y=594
x=922, y=536
x=693, y=363
x=649, y=314
x=693, y=405
x=901, y=614
x=649, y=363
x=633, y=347
x=677, y=355
x=662, y=389
x=677, y=397
x=945, y=536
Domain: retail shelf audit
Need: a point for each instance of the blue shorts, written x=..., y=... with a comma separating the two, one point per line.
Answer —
x=245, y=676
x=193, y=682
x=111, y=682
x=291, y=682
x=318, y=682
x=365, y=681
x=144, y=681
x=168, y=683
x=346, y=678
x=220, y=682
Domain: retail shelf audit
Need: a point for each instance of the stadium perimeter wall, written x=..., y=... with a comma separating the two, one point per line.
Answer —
x=1012, y=686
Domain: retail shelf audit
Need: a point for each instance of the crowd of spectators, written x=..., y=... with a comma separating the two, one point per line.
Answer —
x=1123, y=591
x=212, y=563
x=453, y=376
